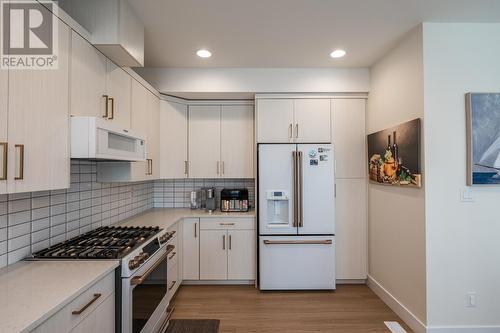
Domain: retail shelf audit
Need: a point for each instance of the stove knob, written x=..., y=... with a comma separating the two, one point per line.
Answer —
x=132, y=264
x=139, y=259
x=145, y=255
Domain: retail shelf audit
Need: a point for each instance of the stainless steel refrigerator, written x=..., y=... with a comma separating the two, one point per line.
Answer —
x=296, y=208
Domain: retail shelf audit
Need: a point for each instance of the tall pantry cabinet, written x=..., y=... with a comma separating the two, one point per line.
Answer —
x=4, y=91
x=349, y=141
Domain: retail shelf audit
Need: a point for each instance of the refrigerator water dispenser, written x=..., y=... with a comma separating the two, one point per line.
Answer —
x=277, y=208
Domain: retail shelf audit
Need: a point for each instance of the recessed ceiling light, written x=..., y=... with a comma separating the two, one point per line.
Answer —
x=337, y=53
x=204, y=53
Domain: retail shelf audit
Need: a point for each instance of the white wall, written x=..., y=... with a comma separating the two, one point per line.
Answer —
x=463, y=239
x=256, y=80
x=397, y=215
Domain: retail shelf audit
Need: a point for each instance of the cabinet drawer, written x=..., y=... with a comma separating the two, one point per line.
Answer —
x=104, y=287
x=65, y=320
x=173, y=279
x=239, y=223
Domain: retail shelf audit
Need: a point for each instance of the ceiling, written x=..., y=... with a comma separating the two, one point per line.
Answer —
x=290, y=33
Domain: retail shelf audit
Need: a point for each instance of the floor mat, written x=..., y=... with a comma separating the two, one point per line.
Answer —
x=193, y=326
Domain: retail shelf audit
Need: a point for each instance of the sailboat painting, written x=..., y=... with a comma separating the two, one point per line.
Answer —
x=483, y=138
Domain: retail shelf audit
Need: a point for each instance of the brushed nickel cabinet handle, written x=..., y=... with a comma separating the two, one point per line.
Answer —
x=5, y=147
x=218, y=168
x=290, y=131
x=112, y=108
x=295, y=242
x=95, y=298
x=21, y=162
x=232, y=223
x=195, y=232
x=173, y=255
x=223, y=167
x=106, y=110
x=186, y=167
x=230, y=242
x=223, y=242
x=172, y=285
x=296, y=131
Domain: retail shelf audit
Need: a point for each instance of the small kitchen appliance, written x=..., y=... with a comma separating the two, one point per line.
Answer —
x=211, y=204
x=234, y=200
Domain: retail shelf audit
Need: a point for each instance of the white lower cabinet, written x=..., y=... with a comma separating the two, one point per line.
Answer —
x=241, y=255
x=91, y=311
x=191, y=249
x=227, y=249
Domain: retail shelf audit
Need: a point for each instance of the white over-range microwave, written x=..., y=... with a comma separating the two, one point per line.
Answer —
x=95, y=138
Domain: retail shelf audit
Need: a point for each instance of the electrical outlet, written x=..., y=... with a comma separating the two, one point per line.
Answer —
x=471, y=300
x=466, y=195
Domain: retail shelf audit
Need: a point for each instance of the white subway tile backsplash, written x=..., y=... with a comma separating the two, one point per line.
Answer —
x=30, y=222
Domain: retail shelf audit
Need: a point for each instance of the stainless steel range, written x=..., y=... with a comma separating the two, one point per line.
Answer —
x=141, y=279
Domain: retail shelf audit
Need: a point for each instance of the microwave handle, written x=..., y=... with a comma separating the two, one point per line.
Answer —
x=136, y=280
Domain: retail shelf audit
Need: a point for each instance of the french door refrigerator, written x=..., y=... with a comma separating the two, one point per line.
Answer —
x=296, y=198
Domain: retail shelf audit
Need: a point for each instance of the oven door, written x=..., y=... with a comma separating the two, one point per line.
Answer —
x=145, y=298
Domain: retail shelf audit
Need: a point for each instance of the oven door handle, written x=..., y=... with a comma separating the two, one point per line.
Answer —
x=136, y=280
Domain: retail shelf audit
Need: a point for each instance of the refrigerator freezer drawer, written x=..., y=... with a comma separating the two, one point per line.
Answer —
x=297, y=263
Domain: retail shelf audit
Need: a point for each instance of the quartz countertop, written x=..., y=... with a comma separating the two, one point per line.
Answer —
x=165, y=217
x=32, y=291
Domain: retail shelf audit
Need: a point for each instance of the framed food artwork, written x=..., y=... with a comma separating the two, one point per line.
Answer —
x=394, y=155
x=483, y=138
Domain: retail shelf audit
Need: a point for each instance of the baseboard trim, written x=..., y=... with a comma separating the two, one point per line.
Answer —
x=217, y=282
x=351, y=281
x=463, y=329
x=406, y=315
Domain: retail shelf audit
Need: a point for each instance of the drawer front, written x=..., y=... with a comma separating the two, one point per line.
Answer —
x=239, y=223
x=65, y=320
x=173, y=280
x=174, y=255
x=105, y=287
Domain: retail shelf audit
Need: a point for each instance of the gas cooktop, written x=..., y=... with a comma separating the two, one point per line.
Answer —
x=102, y=243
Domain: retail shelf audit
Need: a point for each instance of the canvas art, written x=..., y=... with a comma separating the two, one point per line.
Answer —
x=483, y=138
x=394, y=155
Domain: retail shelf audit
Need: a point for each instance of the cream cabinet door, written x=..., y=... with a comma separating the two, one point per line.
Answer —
x=88, y=78
x=237, y=142
x=119, y=89
x=204, y=142
x=349, y=137
x=274, y=120
x=4, y=93
x=154, y=136
x=105, y=315
x=241, y=255
x=173, y=140
x=191, y=249
x=213, y=254
x=351, y=229
x=312, y=120
x=38, y=123
x=141, y=121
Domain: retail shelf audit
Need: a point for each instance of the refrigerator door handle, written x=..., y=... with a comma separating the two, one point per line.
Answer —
x=300, y=192
x=296, y=242
x=294, y=161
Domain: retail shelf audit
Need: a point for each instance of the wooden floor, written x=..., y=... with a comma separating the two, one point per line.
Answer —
x=350, y=309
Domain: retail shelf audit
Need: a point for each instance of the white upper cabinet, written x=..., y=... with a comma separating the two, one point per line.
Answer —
x=119, y=89
x=349, y=138
x=237, y=142
x=204, y=142
x=38, y=124
x=274, y=120
x=312, y=120
x=4, y=92
x=99, y=88
x=173, y=140
x=293, y=120
x=88, y=78
x=145, y=119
